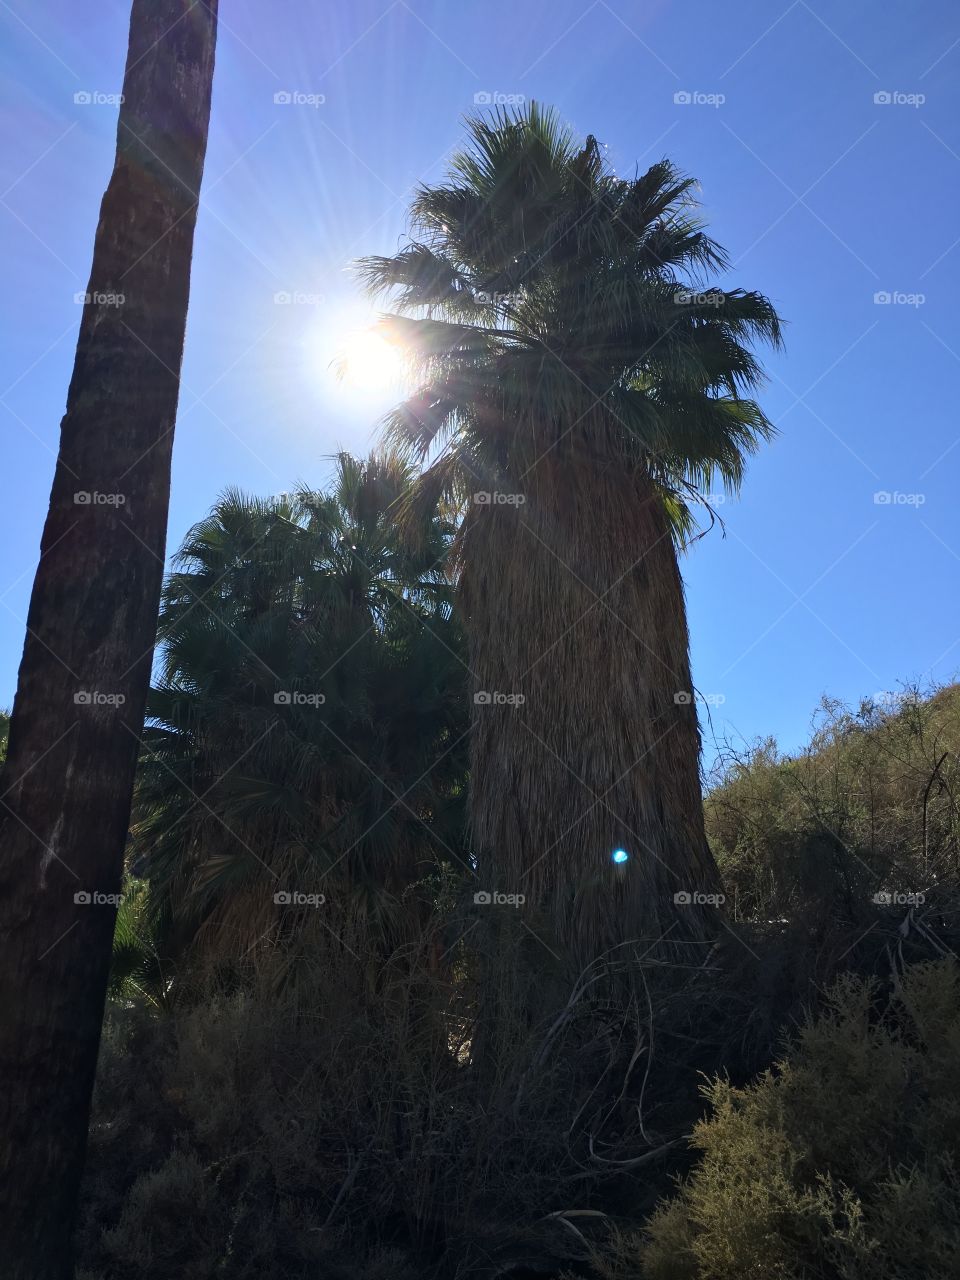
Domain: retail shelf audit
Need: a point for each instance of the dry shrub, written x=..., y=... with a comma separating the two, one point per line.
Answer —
x=486, y=1116
x=840, y=1163
x=872, y=804
x=302, y=1122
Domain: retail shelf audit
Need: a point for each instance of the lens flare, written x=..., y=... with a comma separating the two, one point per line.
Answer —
x=369, y=362
x=619, y=855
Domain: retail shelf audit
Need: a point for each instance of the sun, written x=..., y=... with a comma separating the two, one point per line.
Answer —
x=349, y=359
x=368, y=362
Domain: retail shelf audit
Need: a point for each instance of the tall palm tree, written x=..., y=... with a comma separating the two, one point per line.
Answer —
x=577, y=387
x=351, y=785
x=68, y=778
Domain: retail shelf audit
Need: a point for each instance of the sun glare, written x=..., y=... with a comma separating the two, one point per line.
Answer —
x=369, y=361
x=350, y=360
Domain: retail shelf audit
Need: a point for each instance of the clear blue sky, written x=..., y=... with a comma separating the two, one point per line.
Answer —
x=823, y=197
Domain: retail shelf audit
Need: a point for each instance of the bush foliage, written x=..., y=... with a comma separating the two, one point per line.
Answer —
x=872, y=805
x=840, y=1162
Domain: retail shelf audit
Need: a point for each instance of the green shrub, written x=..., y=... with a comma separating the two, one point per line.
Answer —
x=839, y=1164
x=871, y=804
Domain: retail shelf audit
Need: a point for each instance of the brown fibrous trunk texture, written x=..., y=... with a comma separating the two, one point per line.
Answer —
x=585, y=733
x=67, y=784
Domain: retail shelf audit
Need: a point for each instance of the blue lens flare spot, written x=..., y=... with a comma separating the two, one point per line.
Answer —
x=619, y=855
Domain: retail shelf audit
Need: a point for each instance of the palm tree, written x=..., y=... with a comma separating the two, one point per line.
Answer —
x=577, y=381
x=78, y=713
x=138, y=971
x=351, y=785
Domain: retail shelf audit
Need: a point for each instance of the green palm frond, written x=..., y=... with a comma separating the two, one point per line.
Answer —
x=543, y=300
x=319, y=594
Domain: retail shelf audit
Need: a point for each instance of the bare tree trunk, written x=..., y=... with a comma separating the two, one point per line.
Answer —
x=78, y=714
x=585, y=736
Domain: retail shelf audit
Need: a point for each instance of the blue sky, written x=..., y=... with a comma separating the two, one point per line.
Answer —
x=823, y=196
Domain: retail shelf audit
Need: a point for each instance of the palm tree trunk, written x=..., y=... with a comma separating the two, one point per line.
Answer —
x=574, y=603
x=83, y=679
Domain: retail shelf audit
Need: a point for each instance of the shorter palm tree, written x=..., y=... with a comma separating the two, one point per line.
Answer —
x=307, y=732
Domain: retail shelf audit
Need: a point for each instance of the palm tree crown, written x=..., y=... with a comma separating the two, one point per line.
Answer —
x=307, y=728
x=548, y=305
